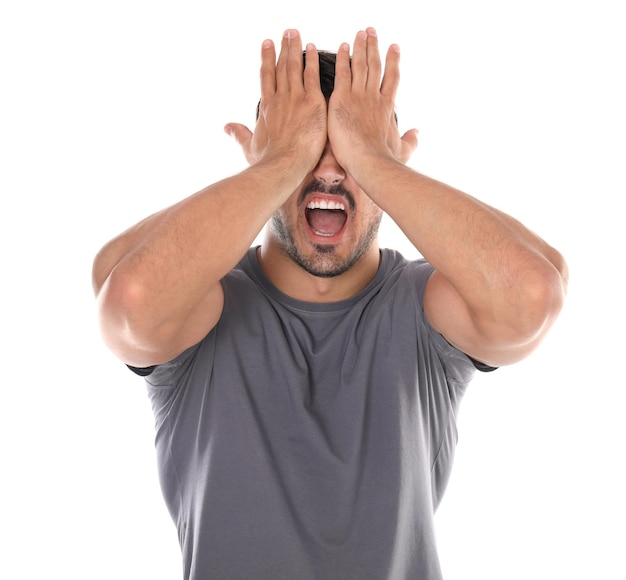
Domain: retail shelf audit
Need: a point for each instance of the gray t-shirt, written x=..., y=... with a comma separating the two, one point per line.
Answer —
x=306, y=441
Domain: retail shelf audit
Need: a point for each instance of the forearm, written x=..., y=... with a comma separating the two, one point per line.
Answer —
x=154, y=275
x=485, y=254
x=497, y=286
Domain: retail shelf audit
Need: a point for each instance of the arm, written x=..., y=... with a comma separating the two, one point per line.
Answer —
x=158, y=283
x=498, y=287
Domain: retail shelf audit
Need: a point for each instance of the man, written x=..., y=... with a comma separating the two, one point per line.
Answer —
x=305, y=391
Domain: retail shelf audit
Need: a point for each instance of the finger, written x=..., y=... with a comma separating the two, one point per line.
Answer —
x=359, y=60
x=281, y=65
x=289, y=65
x=391, y=79
x=373, y=60
x=268, y=69
x=295, y=62
x=312, y=69
x=343, y=74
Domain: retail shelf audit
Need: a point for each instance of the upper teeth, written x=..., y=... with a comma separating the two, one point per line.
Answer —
x=326, y=205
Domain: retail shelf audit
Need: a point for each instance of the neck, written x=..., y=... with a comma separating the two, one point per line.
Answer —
x=291, y=279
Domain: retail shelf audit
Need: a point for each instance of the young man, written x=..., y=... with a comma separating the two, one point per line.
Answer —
x=305, y=391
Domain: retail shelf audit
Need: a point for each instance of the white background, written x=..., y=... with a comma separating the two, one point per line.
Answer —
x=112, y=110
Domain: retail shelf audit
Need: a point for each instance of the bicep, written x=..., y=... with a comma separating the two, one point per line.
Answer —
x=139, y=343
x=475, y=334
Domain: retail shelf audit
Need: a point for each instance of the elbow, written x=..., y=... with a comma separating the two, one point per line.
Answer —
x=541, y=300
x=553, y=285
x=520, y=314
x=126, y=324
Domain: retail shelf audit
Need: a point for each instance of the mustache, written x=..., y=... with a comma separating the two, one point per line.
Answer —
x=317, y=186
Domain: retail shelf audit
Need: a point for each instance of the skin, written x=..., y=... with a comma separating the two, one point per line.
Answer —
x=497, y=288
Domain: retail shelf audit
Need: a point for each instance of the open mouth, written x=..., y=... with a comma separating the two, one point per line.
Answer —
x=326, y=218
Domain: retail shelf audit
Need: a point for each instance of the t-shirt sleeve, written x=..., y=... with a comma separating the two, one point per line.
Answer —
x=142, y=371
x=482, y=367
x=423, y=272
x=165, y=374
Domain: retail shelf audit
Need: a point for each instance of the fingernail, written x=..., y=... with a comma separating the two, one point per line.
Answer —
x=362, y=35
x=371, y=31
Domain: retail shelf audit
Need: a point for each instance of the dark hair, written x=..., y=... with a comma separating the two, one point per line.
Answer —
x=327, y=71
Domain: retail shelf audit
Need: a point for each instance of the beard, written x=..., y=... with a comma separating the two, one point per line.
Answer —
x=324, y=262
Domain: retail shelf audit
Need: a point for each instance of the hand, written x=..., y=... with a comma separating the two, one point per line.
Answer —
x=361, y=116
x=292, y=112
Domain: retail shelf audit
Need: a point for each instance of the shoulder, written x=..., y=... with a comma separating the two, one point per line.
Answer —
x=400, y=271
x=415, y=281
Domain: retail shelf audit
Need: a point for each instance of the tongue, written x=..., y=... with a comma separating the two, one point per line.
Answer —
x=326, y=221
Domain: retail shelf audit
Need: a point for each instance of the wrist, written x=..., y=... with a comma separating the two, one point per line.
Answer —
x=282, y=174
x=375, y=172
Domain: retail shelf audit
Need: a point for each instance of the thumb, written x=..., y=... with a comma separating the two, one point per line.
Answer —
x=241, y=133
x=409, y=144
x=410, y=138
x=243, y=136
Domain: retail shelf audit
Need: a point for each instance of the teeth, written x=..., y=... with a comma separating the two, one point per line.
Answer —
x=326, y=205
